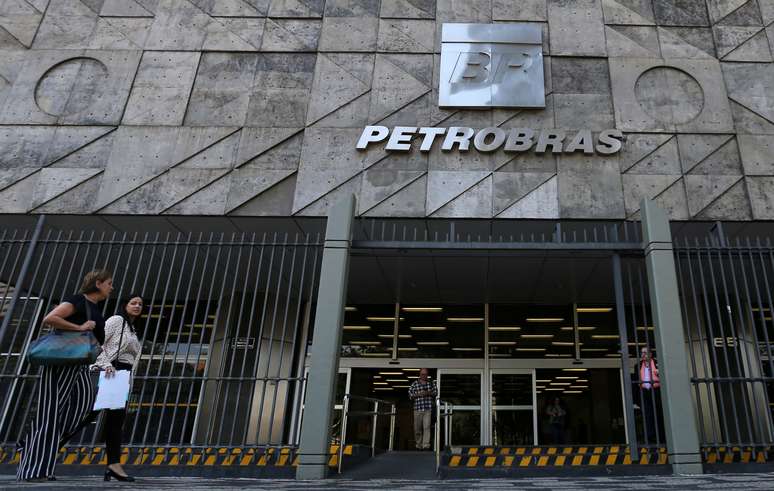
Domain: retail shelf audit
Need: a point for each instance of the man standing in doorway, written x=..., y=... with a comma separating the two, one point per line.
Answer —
x=423, y=392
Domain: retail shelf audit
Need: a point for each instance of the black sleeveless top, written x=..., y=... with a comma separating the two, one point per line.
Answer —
x=82, y=315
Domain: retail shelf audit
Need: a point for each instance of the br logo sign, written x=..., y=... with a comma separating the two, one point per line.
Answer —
x=491, y=65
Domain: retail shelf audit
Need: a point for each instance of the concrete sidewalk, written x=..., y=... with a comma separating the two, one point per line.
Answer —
x=716, y=481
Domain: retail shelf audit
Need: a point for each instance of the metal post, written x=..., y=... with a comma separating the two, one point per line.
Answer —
x=19, y=287
x=326, y=344
x=437, y=434
x=392, y=428
x=374, y=422
x=343, y=431
x=679, y=414
x=631, y=429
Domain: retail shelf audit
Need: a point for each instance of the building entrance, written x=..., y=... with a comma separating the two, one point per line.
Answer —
x=552, y=403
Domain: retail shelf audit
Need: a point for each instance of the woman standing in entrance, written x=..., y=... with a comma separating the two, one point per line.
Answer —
x=65, y=393
x=120, y=351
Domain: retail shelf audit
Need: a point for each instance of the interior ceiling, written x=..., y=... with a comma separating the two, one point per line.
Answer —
x=466, y=278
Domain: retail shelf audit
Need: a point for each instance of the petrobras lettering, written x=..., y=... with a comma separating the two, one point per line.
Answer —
x=491, y=139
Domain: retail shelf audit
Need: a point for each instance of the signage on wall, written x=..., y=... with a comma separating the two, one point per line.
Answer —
x=487, y=66
x=491, y=65
x=402, y=139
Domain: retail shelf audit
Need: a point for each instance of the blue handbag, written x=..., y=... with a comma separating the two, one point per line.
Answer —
x=65, y=348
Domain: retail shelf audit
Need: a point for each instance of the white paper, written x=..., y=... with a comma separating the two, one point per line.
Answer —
x=113, y=391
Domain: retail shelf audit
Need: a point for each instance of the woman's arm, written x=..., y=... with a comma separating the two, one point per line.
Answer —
x=110, y=347
x=56, y=319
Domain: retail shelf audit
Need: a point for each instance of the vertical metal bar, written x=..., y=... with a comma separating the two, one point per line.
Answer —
x=761, y=317
x=752, y=421
x=770, y=303
x=28, y=258
x=44, y=306
x=632, y=302
x=211, y=280
x=736, y=355
x=22, y=274
x=26, y=334
x=392, y=427
x=237, y=332
x=11, y=240
x=396, y=332
x=374, y=422
x=646, y=324
x=291, y=276
x=144, y=376
x=576, y=331
x=256, y=359
x=706, y=345
x=116, y=273
x=173, y=357
x=208, y=359
x=631, y=429
x=148, y=299
x=343, y=439
x=193, y=322
x=295, y=422
x=225, y=349
x=20, y=315
x=272, y=332
x=300, y=348
x=437, y=433
x=691, y=344
x=272, y=326
x=719, y=321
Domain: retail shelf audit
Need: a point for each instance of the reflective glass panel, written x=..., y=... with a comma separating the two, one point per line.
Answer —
x=512, y=427
x=511, y=389
x=461, y=389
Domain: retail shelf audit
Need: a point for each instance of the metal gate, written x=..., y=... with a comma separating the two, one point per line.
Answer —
x=224, y=331
x=726, y=291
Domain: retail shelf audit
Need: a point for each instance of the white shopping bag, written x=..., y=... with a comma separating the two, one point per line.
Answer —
x=114, y=391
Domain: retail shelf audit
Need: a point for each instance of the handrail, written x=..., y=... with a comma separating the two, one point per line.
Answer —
x=375, y=414
x=448, y=409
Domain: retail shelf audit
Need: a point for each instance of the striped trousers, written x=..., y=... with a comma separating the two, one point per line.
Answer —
x=65, y=397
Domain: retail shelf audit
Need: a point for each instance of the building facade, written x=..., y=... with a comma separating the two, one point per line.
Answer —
x=488, y=161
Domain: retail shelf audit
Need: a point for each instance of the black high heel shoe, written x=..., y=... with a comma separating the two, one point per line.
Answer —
x=118, y=477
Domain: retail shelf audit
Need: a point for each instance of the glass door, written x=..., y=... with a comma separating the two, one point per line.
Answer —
x=463, y=389
x=343, y=381
x=513, y=418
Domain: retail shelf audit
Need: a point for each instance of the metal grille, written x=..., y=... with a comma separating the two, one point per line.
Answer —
x=224, y=330
x=642, y=400
x=726, y=291
x=496, y=234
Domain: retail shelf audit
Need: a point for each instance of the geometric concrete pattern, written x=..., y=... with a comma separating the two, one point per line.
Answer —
x=253, y=108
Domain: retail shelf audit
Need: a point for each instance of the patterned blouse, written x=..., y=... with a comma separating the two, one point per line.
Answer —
x=130, y=345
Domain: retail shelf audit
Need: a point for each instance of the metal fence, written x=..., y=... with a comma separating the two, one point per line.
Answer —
x=643, y=405
x=726, y=290
x=224, y=330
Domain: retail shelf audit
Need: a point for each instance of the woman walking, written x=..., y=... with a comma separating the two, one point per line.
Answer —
x=65, y=393
x=120, y=351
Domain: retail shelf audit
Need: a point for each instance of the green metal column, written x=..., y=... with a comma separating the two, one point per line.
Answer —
x=326, y=343
x=672, y=351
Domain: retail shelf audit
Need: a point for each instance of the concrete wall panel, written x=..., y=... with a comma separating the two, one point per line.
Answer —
x=253, y=108
x=576, y=28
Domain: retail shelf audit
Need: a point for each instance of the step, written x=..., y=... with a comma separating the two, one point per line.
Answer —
x=395, y=465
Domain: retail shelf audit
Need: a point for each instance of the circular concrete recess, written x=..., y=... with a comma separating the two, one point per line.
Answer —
x=669, y=95
x=71, y=86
